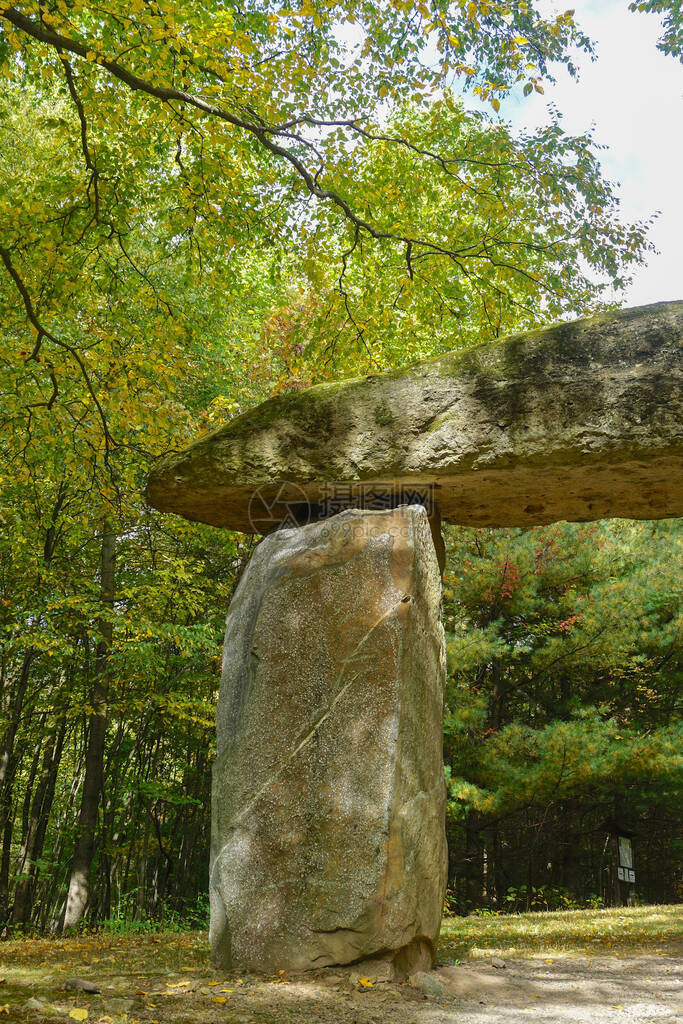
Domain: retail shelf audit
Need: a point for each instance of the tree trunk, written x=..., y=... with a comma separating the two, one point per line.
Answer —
x=8, y=767
x=37, y=826
x=9, y=761
x=79, y=883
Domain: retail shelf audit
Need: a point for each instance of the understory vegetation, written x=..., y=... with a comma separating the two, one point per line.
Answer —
x=562, y=715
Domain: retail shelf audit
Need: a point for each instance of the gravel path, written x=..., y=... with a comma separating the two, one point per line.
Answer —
x=646, y=989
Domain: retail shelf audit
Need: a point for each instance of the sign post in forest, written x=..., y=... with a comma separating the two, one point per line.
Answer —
x=621, y=870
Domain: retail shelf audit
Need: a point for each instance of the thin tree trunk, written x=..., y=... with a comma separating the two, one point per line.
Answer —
x=139, y=913
x=28, y=799
x=8, y=767
x=65, y=823
x=37, y=827
x=8, y=758
x=107, y=861
x=79, y=883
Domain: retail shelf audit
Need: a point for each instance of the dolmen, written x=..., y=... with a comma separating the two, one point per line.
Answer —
x=328, y=801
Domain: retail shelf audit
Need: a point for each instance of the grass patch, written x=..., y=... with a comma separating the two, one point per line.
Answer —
x=126, y=967
x=573, y=932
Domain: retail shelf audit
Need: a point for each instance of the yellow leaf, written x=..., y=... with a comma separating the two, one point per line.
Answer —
x=365, y=982
x=78, y=1014
x=495, y=104
x=219, y=999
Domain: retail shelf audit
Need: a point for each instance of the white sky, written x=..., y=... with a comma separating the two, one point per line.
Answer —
x=634, y=95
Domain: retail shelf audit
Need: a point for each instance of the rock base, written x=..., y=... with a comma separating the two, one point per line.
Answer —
x=328, y=842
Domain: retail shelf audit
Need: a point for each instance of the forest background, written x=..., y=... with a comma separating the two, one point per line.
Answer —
x=203, y=205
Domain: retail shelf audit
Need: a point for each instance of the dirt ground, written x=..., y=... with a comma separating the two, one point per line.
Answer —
x=167, y=979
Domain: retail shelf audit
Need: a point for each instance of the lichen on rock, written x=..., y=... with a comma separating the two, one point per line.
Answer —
x=578, y=421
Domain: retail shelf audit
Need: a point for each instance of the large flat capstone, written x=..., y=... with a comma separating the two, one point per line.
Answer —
x=328, y=806
x=579, y=421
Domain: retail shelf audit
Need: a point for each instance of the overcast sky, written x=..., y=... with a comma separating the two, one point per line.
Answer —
x=634, y=95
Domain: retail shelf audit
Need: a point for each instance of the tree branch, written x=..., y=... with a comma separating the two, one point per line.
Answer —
x=257, y=128
x=89, y=161
x=42, y=333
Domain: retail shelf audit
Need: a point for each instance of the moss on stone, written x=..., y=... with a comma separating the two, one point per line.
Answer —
x=383, y=414
x=601, y=391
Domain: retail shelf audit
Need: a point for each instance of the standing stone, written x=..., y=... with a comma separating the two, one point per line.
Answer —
x=328, y=842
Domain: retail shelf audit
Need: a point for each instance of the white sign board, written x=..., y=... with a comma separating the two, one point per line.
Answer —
x=625, y=852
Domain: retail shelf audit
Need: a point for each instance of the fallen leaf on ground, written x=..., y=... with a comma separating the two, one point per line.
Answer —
x=78, y=1014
